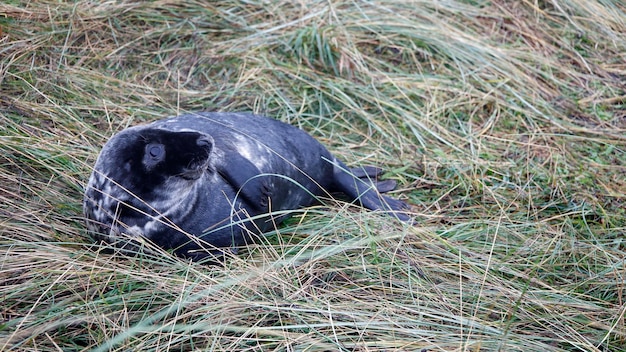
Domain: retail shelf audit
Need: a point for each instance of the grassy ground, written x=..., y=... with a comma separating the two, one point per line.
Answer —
x=503, y=122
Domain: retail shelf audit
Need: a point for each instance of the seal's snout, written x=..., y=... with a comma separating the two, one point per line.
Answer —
x=205, y=141
x=199, y=163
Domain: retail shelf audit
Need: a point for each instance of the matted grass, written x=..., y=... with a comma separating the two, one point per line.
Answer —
x=502, y=121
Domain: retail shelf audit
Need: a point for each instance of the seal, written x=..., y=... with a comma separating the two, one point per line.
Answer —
x=199, y=184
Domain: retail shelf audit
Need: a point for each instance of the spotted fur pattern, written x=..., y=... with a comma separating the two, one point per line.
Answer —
x=200, y=183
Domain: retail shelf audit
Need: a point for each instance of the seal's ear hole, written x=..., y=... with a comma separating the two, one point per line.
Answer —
x=155, y=151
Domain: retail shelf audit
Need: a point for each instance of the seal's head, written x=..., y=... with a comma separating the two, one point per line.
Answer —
x=142, y=174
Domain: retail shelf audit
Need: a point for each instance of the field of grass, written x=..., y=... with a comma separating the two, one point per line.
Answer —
x=503, y=122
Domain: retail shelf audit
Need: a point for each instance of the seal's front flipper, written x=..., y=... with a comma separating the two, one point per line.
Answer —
x=247, y=180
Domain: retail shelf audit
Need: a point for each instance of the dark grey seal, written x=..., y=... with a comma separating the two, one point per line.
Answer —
x=204, y=182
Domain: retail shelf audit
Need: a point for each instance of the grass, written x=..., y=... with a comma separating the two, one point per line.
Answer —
x=502, y=121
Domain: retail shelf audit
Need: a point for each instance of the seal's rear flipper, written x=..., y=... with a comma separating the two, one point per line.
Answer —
x=366, y=172
x=366, y=190
x=370, y=174
x=385, y=186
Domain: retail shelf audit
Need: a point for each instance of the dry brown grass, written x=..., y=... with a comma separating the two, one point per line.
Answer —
x=503, y=122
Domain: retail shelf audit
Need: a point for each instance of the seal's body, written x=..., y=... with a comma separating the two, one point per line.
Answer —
x=199, y=182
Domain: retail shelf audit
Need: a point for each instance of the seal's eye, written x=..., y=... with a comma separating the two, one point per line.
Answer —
x=155, y=151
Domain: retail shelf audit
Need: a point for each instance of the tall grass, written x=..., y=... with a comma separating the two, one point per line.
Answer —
x=502, y=121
